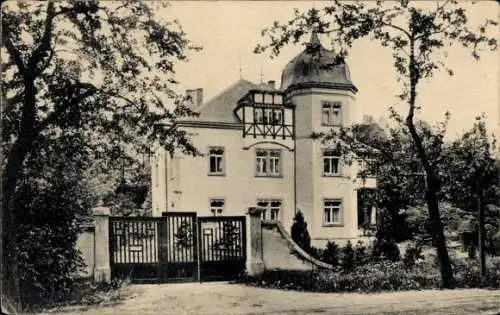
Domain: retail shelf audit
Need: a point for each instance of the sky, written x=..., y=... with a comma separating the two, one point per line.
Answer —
x=229, y=31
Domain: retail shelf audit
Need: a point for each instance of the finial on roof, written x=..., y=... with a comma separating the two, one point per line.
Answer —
x=314, y=38
x=261, y=75
x=314, y=44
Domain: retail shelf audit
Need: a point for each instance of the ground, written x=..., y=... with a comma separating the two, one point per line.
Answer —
x=225, y=298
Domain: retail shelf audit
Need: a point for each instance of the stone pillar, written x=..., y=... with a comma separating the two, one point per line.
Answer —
x=255, y=263
x=102, y=268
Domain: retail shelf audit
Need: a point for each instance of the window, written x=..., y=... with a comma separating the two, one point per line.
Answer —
x=269, y=116
x=216, y=206
x=259, y=118
x=331, y=162
x=268, y=163
x=216, y=161
x=270, y=208
x=331, y=114
x=332, y=208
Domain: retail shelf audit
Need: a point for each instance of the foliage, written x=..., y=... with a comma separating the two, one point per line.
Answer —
x=374, y=277
x=316, y=252
x=413, y=253
x=416, y=35
x=361, y=255
x=469, y=161
x=52, y=198
x=86, y=292
x=331, y=254
x=386, y=249
x=495, y=244
x=299, y=233
x=93, y=77
x=348, y=257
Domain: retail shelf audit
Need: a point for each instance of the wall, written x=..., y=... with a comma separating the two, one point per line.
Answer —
x=85, y=244
x=159, y=181
x=239, y=186
x=312, y=186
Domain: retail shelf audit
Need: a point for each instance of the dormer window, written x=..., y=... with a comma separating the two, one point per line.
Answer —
x=331, y=114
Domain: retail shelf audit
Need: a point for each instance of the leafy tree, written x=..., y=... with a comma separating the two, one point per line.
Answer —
x=99, y=72
x=51, y=200
x=470, y=175
x=416, y=34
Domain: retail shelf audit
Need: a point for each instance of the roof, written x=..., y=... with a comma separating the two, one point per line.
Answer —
x=221, y=107
x=315, y=67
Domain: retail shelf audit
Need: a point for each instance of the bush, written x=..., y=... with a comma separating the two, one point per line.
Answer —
x=331, y=254
x=375, y=277
x=300, y=235
x=316, y=252
x=361, y=256
x=386, y=249
x=369, y=278
x=495, y=244
x=348, y=257
x=412, y=253
x=47, y=235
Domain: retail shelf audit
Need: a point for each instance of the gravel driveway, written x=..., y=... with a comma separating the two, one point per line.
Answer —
x=224, y=298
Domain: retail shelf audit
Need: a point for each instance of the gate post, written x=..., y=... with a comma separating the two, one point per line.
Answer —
x=102, y=268
x=255, y=263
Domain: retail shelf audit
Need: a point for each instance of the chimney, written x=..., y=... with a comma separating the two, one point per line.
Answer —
x=195, y=97
x=272, y=84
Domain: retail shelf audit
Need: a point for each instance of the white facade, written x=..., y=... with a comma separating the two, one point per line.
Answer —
x=258, y=150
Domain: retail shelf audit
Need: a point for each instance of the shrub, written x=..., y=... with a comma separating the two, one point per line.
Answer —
x=348, y=257
x=375, y=277
x=316, y=252
x=360, y=254
x=47, y=231
x=386, y=249
x=412, y=253
x=87, y=292
x=495, y=244
x=467, y=275
x=391, y=276
x=331, y=254
x=300, y=235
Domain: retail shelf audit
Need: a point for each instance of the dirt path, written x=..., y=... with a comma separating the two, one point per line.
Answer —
x=223, y=298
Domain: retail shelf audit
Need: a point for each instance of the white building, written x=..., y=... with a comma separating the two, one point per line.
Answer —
x=259, y=150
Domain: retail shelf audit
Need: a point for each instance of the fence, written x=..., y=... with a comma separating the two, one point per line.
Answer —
x=177, y=247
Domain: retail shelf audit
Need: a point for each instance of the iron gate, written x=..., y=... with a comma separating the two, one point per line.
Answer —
x=222, y=247
x=177, y=247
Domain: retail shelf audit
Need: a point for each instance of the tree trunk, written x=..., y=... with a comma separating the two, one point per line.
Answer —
x=10, y=277
x=481, y=243
x=447, y=279
x=10, y=177
x=433, y=185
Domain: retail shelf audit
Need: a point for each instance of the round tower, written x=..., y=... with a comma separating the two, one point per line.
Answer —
x=318, y=83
